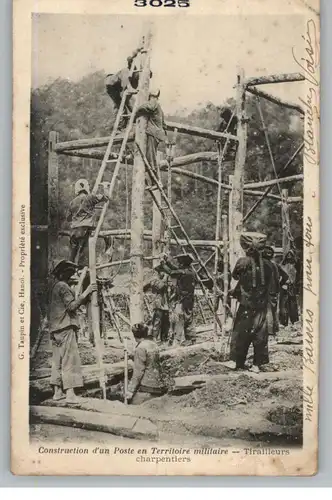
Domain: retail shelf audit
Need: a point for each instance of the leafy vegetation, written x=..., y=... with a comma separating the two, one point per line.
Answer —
x=83, y=109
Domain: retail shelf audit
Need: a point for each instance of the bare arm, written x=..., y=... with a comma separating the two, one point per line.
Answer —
x=70, y=302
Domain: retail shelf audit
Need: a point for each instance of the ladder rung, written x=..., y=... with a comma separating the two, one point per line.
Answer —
x=111, y=161
x=174, y=227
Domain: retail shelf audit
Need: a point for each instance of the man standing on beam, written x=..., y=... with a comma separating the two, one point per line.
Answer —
x=156, y=126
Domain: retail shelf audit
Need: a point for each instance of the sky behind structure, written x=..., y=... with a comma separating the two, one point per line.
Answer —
x=194, y=59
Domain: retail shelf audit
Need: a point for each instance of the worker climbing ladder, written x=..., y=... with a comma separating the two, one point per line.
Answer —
x=122, y=113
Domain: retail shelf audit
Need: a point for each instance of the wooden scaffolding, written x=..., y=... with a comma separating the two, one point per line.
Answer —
x=228, y=227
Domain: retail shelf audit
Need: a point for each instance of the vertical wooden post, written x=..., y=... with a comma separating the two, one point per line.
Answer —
x=53, y=199
x=226, y=266
x=170, y=156
x=285, y=221
x=230, y=226
x=95, y=315
x=232, y=257
x=217, y=238
x=235, y=221
x=156, y=221
x=138, y=187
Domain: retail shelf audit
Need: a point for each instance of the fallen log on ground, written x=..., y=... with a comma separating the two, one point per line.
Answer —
x=121, y=425
x=192, y=382
x=41, y=388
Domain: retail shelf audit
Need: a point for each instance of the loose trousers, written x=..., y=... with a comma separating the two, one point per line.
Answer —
x=183, y=321
x=66, y=364
x=160, y=324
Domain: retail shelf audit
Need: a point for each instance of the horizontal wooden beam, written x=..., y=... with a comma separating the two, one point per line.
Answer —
x=93, y=142
x=272, y=182
x=282, y=78
x=276, y=100
x=294, y=199
x=202, y=178
x=180, y=161
x=185, y=128
x=249, y=192
x=112, y=264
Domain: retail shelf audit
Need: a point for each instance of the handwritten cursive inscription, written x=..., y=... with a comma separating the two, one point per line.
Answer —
x=308, y=272
x=308, y=341
x=308, y=401
x=309, y=65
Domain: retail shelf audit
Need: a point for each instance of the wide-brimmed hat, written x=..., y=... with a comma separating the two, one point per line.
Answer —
x=185, y=257
x=63, y=265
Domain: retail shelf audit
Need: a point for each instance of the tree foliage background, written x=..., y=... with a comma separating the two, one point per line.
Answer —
x=83, y=109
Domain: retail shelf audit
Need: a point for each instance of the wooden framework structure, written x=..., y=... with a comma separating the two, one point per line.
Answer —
x=228, y=229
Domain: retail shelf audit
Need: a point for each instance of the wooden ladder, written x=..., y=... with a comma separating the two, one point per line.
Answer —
x=198, y=266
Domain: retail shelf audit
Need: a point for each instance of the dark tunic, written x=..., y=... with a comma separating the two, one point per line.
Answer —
x=253, y=321
x=288, y=307
x=160, y=303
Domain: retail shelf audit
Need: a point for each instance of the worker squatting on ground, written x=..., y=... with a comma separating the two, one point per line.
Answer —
x=159, y=287
x=253, y=321
x=182, y=315
x=66, y=372
x=279, y=282
x=81, y=215
x=156, y=127
x=146, y=382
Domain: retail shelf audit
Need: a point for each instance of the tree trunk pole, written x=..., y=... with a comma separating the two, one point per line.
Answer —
x=226, y=266
x=285, y=221
x=95, y=315
x=138, y=187
x=157, y=235
x=236, y=220
x=53, y=199
x=217, y=238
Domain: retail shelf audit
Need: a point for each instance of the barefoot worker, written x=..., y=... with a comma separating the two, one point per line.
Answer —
x=63, y=325
x=146, y=382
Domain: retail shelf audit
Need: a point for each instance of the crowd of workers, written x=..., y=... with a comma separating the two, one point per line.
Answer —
x=262, y=286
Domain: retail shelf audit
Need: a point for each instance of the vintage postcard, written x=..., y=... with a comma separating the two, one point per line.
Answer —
x=165, y=299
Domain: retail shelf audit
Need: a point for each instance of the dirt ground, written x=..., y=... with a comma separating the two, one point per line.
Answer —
x=239, y=400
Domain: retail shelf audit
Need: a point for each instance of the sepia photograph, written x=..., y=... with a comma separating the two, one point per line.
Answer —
x=165, y=271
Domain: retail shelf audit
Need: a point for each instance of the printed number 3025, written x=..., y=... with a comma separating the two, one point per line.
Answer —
x=162, y=3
